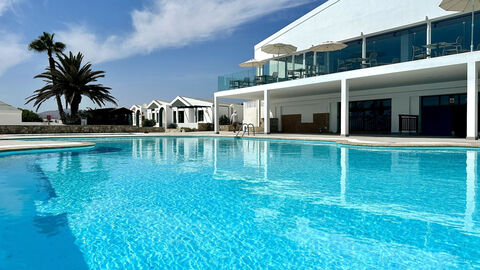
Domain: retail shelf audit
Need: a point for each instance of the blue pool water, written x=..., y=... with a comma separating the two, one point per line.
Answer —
x=176, y=203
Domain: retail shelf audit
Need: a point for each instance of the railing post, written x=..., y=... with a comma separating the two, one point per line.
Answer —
x=364, y=51
x=429, y=37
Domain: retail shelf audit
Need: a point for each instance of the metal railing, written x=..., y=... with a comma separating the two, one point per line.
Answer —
x=408, y=124
x=246, y=129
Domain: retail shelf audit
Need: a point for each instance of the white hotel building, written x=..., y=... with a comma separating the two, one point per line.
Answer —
x=407, y=67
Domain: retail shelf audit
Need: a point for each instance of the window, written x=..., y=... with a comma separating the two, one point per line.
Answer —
x=455, y=31
x=175, y=117
x=200, y=116
x=343, y=60
x=371, y=115
x=398, y=46
x=444, y=100
x=181, y=117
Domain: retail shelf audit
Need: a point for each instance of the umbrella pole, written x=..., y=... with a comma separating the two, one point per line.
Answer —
x=473, y=24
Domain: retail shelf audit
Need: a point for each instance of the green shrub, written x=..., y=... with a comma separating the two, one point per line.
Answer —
x=30, y=116
x=148, y=123
x=172, y=125
x=224, y=120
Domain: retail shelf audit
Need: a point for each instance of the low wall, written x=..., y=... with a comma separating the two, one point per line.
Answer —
x=23, y=129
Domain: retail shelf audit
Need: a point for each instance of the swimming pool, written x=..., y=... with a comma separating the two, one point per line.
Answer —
x=166, y=202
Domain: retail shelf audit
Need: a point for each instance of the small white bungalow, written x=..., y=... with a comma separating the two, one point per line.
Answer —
x=193, y=112
x=159, y=111
x=9, y=115
x=139, y=113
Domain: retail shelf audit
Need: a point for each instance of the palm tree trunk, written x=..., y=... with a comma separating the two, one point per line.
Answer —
x=59, y=101
x=74, y=106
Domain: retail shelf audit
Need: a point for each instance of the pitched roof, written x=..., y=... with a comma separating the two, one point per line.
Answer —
x=194, y=102
x=4, y=107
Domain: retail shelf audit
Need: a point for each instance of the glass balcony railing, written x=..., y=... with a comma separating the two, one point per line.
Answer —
x=236, y=80
x=448, y=36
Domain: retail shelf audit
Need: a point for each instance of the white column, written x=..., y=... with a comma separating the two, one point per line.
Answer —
x=429, y=37
x=266, y=111
x=471, y=192
x=259, y=115
x=215, y=116
x=472, y=101
x=345, y=112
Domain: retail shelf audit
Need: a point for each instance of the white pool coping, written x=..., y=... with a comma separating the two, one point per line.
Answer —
x=7, y=142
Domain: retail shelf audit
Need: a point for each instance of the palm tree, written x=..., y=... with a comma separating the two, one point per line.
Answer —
x=74, y=80
x=45, y=43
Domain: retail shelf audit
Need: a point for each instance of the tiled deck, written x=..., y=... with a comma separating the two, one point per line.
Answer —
x=9, y=142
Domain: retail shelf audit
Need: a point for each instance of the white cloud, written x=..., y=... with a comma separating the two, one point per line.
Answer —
x=6, y=4
x=12, y=51
x=171, y=23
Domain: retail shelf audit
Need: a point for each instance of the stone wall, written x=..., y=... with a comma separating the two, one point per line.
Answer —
x=21, y=129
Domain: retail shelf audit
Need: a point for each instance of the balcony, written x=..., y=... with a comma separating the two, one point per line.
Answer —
x=429, y=39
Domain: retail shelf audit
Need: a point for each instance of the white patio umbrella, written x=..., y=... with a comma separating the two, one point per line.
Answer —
x=278, y=49
x=463, y=6
x=329, y=46
x=253, y=63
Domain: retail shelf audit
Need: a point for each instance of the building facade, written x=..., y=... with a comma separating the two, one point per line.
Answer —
x=9, y=115
x=407, y=66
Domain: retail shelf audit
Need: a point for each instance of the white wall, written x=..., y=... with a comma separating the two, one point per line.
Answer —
x=339, y=20
x=250, y=112
x=11, y=118
x=405, y=100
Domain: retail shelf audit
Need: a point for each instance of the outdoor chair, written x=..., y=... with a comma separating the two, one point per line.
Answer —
x=418, y=53
x=275, y=76
x=246, y=82
x=291, y=75
x=455, y=48
x=234, y=84
x=371, y=60
x=311, y=71
x=258, y=80
x=343, y=65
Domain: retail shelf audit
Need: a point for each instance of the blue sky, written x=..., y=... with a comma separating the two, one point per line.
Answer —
x=150, y=49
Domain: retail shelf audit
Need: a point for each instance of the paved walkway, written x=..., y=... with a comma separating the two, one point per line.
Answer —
x=11, y=142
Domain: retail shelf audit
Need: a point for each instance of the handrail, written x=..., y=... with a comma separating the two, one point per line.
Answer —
x=247, y=126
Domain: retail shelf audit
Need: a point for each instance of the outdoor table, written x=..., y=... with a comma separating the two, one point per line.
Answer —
x=356, y=60
x=439, y=45
x=301, y=71
x=236, y=83
x=264, y=79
